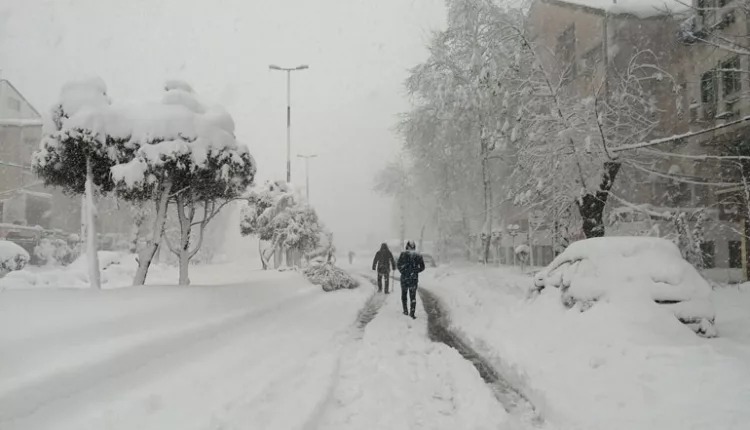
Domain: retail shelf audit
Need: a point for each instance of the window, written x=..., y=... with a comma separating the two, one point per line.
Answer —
x=707, y=249
x=590, y=60
x=678, y=193
x=735, y=254
x=708, y=94
x=730, y=76
x=566, y=52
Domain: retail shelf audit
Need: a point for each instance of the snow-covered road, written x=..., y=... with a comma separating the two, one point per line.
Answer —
x=272, y=352
x=253, y=355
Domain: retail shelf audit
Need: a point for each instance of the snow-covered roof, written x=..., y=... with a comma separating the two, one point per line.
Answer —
x=639, y=8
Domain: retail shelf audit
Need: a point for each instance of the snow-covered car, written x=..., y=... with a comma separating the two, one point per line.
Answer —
x=637, y=267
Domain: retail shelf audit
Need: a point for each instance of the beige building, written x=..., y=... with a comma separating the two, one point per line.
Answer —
x=581, y=41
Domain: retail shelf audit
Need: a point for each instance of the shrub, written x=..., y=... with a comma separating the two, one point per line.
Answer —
x=330, y=277
x=12, y=256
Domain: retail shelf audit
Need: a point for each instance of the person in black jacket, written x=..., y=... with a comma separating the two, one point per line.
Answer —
x=383, y=263
x=410, y=264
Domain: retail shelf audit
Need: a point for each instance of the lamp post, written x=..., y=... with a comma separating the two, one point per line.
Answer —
x=288, y=71
x=307, y=173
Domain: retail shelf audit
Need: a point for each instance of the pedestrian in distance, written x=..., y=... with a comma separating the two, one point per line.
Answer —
x=410, y=265
x=383, y=263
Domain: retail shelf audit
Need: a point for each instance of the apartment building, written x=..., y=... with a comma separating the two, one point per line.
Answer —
x=23, y=198
x=25, y=203
x=583, y=38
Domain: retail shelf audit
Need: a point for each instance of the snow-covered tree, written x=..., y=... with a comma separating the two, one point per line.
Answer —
x=74, y=157
x=277, y=215
x=185, y=155
x=458, y=93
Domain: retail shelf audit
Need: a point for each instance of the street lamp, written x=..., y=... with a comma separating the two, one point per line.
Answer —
x=307, y=173
x=288, y=71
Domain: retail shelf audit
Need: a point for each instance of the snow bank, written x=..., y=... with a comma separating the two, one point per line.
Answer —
x=610, y=367
x=12, y=256
x=639, y=8
x=636, y=269
x=117, y=270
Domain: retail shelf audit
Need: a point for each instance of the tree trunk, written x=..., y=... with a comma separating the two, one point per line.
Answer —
x=183, y=252
x=90, y=214
x=487, y=182
x=146, y=256
x=263, y=260
x=591, y=205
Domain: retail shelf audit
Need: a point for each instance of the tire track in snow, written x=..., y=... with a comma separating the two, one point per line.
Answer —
x=438, y=327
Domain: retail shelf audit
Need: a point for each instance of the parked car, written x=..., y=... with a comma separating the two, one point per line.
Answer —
x=593, y=269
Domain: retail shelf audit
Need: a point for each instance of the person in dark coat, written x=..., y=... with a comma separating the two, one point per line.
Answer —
x=410, y=265
x=383, y=263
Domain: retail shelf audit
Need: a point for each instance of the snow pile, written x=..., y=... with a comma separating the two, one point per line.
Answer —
x=330, y=277
x=12, y=256
x=116, y=271
x=639, y=8
x=614, y=367
x=638, y=269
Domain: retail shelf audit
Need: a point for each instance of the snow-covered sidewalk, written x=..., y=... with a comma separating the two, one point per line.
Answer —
x=607, y=367
x=259, y=354
x=396, y=378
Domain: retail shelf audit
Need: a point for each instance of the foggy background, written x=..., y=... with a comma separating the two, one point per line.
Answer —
x=343, y=108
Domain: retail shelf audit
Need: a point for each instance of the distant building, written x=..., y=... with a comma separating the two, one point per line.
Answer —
x=25, y=201
x=23, y=198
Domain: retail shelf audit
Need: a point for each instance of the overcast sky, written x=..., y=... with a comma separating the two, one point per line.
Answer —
x=343, y=108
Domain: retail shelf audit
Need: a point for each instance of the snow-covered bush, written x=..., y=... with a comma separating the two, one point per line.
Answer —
x=53, y=251
x=640, y=270
x=330, y=277
x=12, y=257
x=278, y=215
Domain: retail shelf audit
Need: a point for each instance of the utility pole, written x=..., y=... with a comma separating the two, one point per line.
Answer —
x=288, y=71
x=307, y=173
